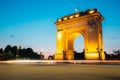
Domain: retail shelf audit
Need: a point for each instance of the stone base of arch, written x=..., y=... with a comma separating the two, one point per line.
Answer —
x=59, y=56
x=92, y=56
x=69, y=55
x=88, y=56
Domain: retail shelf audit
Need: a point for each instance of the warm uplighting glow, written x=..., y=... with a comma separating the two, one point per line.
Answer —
x=91, y=11
x=65, y=18
x=59, y=20
x=59, y=35
x=92, y=56
x=77, y=15
x=71, y=17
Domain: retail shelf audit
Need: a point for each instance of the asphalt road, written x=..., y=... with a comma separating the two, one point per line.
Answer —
x=24, y=71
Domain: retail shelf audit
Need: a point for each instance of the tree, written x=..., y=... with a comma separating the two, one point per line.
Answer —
x=50, y=57
x=29, y=52
x=1, y=50
x=22, y=54
x=116, y=54
x=41, y=56
x=1, y=53
x=7, y=54
x=15, y=51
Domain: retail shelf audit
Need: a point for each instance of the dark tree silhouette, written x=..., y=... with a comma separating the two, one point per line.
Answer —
x=1, y=50
x=7, y=54
x=15, y=51
x=22, y=54
x=1, y=53
x=50, y=57
x=29, y=52
x=114, y=56
x=8, y=47
x=41, y=56
x=79, y=56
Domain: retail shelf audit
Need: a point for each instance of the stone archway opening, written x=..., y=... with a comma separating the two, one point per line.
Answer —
x=79, y=48
x=79, y=44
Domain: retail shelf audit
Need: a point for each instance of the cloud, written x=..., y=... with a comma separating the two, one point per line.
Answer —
x=12, y=36
x=114, y=38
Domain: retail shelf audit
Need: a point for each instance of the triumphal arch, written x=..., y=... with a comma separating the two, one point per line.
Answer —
x=86, y=23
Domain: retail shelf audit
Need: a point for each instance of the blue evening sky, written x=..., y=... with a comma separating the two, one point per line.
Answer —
x=30, y=23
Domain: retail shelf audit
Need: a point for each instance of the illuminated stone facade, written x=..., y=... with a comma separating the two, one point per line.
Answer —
x=86, y=23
